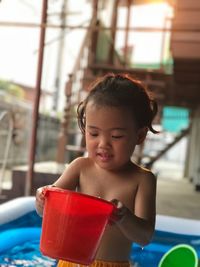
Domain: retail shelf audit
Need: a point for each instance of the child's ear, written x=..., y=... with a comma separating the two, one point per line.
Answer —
x=142, y=133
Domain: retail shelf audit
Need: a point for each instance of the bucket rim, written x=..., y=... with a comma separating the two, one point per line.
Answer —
x=64, y=191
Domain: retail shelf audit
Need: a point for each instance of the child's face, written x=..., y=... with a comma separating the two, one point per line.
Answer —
x=111, y=136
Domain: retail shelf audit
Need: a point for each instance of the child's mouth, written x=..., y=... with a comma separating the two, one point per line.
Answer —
x=104, y=156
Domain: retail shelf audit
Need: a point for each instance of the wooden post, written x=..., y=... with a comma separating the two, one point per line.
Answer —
x=113, y=33
x=127, y=32
x=63, y=135
x=94, y=33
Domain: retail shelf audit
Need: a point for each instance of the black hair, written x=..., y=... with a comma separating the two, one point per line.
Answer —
x=120, y=90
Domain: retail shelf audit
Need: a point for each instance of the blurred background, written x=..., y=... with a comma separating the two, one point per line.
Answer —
x=50, y=51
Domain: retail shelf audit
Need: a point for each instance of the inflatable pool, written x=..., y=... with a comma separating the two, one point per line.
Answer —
x=20, y=229
x=170, y=231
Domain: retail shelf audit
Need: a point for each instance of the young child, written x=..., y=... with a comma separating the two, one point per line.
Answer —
x=114, y=118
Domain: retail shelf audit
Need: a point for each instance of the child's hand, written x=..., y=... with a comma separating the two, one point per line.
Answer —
x=120, y=211
x=40, y=199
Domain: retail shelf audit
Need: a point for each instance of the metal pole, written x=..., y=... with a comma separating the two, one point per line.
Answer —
x=30, y=171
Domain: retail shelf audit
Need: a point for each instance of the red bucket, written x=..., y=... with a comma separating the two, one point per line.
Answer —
x=73, y=224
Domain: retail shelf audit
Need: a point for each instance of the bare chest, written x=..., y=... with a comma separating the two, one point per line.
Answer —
x=109, y=187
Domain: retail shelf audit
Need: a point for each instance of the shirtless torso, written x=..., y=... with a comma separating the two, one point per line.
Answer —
x=130, y=186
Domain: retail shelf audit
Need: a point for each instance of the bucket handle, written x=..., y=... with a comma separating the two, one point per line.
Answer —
x=119, y=212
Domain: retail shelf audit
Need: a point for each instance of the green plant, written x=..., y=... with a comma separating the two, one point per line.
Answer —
x=12, y=89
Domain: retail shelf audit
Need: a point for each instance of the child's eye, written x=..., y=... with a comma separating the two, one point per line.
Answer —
x=93, y=134
x=117, y=136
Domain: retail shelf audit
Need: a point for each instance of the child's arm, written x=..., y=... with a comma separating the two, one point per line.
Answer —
x=139, y=226
x=68, y=180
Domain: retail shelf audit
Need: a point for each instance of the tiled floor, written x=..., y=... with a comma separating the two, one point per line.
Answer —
x=177, y=197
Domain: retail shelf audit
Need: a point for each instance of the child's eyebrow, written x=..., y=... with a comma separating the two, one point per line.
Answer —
x=110, y=129
x=92, y=127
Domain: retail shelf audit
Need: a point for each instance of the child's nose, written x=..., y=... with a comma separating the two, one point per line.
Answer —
x=104, y=142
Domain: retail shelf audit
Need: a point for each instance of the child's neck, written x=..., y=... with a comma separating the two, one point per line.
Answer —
x=124, y=168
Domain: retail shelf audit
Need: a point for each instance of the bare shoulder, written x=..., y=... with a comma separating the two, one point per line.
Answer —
x=70, y=177
x=148, y=174
x=80, y=163
x=79, y=166
x=145, y=176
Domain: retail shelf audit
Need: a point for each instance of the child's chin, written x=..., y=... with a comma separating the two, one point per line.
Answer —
x=107, y=166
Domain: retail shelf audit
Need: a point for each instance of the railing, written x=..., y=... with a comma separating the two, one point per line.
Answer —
x=73, y=92
x=149, y=160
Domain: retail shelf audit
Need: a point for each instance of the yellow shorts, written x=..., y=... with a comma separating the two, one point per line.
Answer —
x=96, y=263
